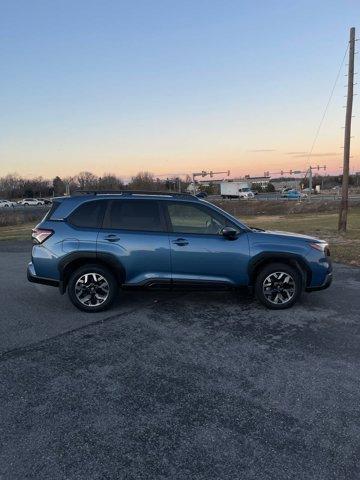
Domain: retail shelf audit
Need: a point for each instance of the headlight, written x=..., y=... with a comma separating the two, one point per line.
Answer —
x=321, y=247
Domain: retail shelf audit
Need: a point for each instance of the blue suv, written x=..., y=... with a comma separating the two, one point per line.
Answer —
x=92, y=243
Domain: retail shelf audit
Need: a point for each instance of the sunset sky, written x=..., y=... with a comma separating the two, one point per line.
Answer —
x=173, y=86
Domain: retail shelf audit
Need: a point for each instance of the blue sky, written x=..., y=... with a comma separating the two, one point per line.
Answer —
x=171, y=86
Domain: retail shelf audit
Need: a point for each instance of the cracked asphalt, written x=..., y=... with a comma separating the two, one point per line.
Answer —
x=177, y=385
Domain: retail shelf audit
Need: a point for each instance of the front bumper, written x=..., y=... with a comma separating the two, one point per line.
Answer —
x=326, y=284
x=32, y=277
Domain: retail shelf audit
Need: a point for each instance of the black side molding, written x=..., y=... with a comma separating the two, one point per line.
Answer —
x=42, y=280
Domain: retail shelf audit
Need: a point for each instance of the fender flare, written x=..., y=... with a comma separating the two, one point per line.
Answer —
x=292, y=258
x=79, y=257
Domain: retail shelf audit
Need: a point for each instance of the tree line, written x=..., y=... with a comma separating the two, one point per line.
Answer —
x=15, y=186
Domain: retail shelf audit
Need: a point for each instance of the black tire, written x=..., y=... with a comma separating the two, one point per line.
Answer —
x=111, y=289
x=291, y=287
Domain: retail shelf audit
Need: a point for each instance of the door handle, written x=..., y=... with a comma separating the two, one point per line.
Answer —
x=181, y=242
x=112, y=238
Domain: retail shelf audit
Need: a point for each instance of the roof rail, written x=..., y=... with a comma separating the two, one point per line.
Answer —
x=133, y=192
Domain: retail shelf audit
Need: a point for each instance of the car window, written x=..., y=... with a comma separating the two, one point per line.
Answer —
x=140, y=215
x=54, y=205
x=88, y=215
x=186, y=218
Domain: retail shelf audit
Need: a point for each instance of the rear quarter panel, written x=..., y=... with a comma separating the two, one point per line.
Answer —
x=66, y=240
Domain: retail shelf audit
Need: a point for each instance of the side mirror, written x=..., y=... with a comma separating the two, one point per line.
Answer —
x=230, y=233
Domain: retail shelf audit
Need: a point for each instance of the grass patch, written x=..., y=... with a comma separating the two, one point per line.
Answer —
x=344, y=248
x=17, y=216
x=16, y=232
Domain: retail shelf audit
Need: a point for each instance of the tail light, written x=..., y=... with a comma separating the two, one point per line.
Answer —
x=39, y=235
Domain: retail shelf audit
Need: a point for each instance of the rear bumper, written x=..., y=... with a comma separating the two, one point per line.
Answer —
x=326, y=284
x=32, y=277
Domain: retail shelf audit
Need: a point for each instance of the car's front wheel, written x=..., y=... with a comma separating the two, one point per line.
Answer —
x=92, y=288
x=278, y=286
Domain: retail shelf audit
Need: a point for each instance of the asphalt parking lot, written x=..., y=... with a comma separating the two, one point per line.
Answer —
x=177, y=385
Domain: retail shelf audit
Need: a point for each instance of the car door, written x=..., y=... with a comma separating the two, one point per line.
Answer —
x=134, y=234
x=199, y=253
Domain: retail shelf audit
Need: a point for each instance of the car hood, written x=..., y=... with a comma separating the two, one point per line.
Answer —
x=291, y=235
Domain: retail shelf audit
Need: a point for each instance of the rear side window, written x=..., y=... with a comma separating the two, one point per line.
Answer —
x=88, y=215
x=53, y=207
x=134, y=215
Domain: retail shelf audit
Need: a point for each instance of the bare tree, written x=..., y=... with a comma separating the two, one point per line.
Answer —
x=71, y=184
x=87, y=180
x=110, y=181
x=11, y=185
x=144, y=181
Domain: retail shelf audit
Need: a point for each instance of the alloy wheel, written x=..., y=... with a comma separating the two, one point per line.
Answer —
x=279, y=288
x=92, y=289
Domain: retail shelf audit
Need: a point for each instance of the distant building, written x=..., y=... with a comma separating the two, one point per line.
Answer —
x=261, y=182
x=281, y=183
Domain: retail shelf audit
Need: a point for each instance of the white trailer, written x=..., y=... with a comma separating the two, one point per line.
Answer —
x=236, y=190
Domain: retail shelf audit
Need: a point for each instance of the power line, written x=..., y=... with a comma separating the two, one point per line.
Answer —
x=327, y=105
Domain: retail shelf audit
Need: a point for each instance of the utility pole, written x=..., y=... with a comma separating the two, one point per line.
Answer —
x=310, y=182
x=344, y=205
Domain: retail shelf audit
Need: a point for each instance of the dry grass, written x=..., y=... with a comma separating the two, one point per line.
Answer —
x=9, y=216
x=344, y=248
x=17, y=232
x=238, y=208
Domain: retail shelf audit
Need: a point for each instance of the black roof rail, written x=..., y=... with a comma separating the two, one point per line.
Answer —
x=133, y=192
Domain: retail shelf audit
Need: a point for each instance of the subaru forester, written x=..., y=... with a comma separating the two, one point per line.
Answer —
x=92, y=244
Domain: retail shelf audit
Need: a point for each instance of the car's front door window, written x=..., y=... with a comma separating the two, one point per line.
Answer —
x=185, y=218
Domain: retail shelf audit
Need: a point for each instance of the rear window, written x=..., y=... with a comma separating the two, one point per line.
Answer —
x=54, y=206
x=88, y=215
x=134, y=215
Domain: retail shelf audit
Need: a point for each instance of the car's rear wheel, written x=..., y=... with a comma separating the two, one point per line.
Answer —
x=278, y=286
x=92, y=288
